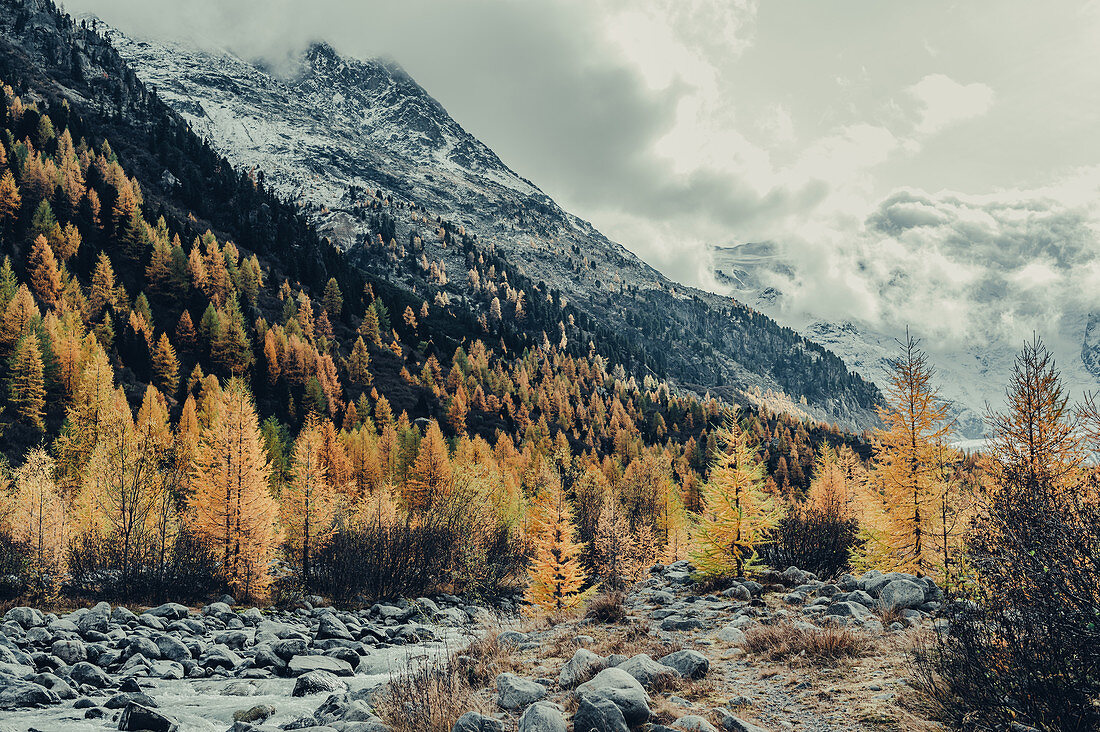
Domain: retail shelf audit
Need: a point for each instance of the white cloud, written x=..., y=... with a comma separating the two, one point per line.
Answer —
x=945, y=102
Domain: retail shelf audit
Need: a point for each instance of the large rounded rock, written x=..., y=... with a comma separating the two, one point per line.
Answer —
x=95, y=619
x=515, y=692
x=901, y=594
x=542, y=717
x=26, y=617
x=690, y=664
x=69, y=651
x=86, y=673
x=331, y=626
x=474, y=722
x=693, y=723
x=731, y=634
x=623, y=690
x=139, y=717
x=648, y=672
x=318, y=682
x=169, y=611
x=848, y=610
x=598, y=714
x=19, y=694
x=172, y=649
x=579, y=668
x=305, y=664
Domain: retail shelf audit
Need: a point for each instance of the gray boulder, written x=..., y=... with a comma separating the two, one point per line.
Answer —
x=515, y=692
x=26, y=617
x=691, y=664
x=95, y=620
x=648, y=672
x=169, y=611
x=57, y=685
x=598, y=714
x=318, y=682
x=623, y=690
x=305, y=664
x=738, y=592
x=331, y=626
x=474, y=722
x=138, y=717
x=542, y=717
x=901, y=593
x=730, y=723
x=256, y=714
x=731, y=634
x=680, y=623
x=580, y=667
x=848, y=610
x=20, y=694
x=86, y=673
x=69, y=651
x=693, y=723
x=172, y=649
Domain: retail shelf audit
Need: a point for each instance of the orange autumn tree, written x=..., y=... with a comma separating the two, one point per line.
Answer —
x=556, y=576
x=911, y=455
x=38, y=520
x=431, y=471
x=126, y=501
x=308, y=501
x=28, y=388
x=232, y=511
x=737, y=512
x=619, y=559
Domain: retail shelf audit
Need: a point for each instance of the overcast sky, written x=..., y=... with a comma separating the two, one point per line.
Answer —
x=844, y=131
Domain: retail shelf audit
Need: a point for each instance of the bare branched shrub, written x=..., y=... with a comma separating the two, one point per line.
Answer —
x=787, y=642
x=430, y=697
x=816, y=539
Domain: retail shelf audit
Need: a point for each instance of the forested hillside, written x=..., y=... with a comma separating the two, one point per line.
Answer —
x=166, y=324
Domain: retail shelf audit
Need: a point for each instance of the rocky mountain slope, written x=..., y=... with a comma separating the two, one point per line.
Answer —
x=389, y=176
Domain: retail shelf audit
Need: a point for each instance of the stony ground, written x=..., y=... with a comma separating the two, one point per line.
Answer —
x=695, y=657
x=741, y=656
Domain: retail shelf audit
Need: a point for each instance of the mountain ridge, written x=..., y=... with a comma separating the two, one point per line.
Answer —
x=334, y=129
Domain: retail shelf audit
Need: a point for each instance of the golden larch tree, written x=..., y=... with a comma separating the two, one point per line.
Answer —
x=28, y=386
x=308, y=501
x=556, y=577
x=232, y=511
x=38, y=520
x=617, y=559
x=43, y=272
x=431, y=471
x=737, y=512
x=911, y=454
x=127, y=485
x=166, y=365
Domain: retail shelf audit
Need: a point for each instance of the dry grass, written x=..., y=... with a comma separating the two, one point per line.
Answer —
x=631, y=641
x=816, y=646
x=712, y=585
x=890, y=615
x=429, y=698
x=607, y=608
x=485, y=658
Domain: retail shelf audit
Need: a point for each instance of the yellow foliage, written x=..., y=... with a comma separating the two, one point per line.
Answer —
x=737, y=512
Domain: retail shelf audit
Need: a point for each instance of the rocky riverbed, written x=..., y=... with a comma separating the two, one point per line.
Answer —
x=170, y=667
x=679, y=657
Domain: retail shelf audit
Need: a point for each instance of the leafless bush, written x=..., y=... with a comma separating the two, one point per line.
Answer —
x=430, y=697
